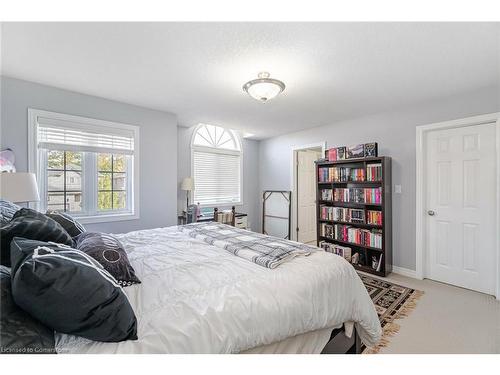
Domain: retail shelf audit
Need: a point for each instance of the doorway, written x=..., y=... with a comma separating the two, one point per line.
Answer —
x=304, y=192
x=458, y=203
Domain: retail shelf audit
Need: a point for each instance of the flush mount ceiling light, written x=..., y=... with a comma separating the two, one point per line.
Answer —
x=263, y=88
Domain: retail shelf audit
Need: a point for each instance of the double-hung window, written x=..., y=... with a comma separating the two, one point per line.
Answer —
x=216, y=166
x=86, y=167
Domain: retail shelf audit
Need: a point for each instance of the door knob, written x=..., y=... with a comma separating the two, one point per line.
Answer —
x=431, y=213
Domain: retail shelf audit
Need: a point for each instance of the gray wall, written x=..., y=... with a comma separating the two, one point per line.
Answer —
x=158, y=143
x=251, y=197
x=395, y=134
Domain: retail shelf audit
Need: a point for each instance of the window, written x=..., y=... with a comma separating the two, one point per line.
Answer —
x=86, y=167
x=216, y=166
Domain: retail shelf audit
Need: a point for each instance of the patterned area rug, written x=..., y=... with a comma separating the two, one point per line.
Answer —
x=391, y=302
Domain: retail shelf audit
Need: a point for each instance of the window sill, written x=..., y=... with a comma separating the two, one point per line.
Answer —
x=106, y=218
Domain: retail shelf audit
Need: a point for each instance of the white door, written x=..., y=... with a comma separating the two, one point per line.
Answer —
x=306, y=195
x=461, y=207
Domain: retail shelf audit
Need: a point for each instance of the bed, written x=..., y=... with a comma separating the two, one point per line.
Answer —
x=199, y=298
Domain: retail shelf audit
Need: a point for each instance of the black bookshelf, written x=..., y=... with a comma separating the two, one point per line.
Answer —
x=385, y=207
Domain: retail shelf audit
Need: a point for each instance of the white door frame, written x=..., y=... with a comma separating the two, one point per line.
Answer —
x=293, y=174
x=421, y=200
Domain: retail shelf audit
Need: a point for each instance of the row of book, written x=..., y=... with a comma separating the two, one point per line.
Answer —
x=358, y=195
x=352, y=256
x=341, y=174
x=343, y=251
x=374, y=172
x=350, y=215
x=374, y=217
x=346, y=233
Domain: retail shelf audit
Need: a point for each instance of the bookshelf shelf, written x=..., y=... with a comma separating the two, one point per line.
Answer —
x=379, y=189
x=361, y=225
x=350, y=204
x=356, y=183
x=368, y=270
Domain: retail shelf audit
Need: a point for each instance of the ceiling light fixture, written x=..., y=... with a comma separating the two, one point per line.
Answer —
x=263, y=88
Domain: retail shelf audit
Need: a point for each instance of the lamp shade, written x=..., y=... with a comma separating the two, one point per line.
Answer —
x=19, y=187
x=187, y=184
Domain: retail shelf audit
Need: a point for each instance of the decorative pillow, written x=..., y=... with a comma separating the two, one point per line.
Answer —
x=19, y=332
x=7, y=211
x=110, y=253
x=70, y=292
x=30, y=224
x=70, y=225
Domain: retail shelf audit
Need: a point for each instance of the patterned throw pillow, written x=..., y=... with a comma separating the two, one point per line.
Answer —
x=70, y=225
x=33, y=225
x=7, y=211
x=109, y=252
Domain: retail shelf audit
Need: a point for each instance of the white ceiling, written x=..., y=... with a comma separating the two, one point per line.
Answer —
x=332, y=71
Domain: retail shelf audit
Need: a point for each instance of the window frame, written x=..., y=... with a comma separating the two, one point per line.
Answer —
x=215, y=150
x=34, y=165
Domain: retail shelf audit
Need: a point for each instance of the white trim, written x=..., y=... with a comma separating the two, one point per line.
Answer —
x=404, y=272
x=420, y=185
x=33, y=166
x=293, y=187
x=106, y=218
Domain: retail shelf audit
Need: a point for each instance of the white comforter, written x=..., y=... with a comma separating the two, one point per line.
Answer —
x=197, y=298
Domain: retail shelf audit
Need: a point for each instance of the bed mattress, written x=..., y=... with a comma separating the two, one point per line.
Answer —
x=198, y=298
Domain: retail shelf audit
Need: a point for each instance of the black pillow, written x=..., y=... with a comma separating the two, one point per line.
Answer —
x=30, y=224
x=19, y=332
x=110, y=253
x=70, y=292
x=7, y=211
x=70, y=225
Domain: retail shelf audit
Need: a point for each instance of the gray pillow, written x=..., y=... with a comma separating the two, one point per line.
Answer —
x=70, y=225
x=7, y=211
x=33, y=225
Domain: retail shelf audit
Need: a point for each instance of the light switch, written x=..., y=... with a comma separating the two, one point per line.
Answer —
x=397, y=189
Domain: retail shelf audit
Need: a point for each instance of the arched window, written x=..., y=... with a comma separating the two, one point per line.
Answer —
x=216, y=166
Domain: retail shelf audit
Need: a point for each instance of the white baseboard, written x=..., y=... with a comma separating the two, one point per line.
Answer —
x=404, y=272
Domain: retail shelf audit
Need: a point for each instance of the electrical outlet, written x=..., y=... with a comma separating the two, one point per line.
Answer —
x=397, y=189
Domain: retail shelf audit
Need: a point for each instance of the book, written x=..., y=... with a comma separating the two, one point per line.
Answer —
x=374, y=217
x=374, y=172
x=355, y=151
x=332, y=154
x=343, y=251
x=341, y=153
x=371, y=149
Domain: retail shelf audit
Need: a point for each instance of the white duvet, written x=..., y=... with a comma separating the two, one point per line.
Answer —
x=197, y=298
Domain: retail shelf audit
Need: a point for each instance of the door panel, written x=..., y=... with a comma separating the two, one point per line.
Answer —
x=461, y=192
x=306, y=195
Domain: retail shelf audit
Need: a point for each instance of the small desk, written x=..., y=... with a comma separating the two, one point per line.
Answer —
x=240, y=219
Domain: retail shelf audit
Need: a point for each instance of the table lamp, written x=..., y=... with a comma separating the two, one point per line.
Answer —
x=187, y=185
x=19, y=187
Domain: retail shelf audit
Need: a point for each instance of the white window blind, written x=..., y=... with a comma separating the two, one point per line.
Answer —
x=66, y=135
x=216, y=177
